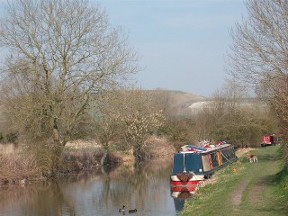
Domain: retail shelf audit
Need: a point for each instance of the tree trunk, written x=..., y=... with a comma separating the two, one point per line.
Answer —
x=138, y=154
x=104, y=158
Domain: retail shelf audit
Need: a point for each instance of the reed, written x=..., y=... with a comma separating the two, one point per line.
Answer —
x=14, y=167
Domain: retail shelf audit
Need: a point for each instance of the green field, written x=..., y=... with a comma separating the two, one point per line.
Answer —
x=258, y=189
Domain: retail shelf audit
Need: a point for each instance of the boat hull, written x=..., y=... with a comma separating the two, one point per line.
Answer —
x=192, y=183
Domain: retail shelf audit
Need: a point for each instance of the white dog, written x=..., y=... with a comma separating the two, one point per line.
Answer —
x=253, y=159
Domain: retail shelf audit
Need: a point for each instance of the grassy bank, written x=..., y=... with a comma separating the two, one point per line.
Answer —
x=254, y=189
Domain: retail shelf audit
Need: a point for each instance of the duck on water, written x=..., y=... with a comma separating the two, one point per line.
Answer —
x=123, y=210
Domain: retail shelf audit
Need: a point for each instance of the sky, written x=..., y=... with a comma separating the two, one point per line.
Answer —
x=181, y=44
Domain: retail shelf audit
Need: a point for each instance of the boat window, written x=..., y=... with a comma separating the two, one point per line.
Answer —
x=189, y=162
x=178, y=164
x=214, y=159
x=193, y=163
x=228, y=153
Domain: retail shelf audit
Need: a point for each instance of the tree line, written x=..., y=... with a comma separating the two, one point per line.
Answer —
x=258, y=55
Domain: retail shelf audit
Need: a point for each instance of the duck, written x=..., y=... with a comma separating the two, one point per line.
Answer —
x=132, y=211
x=122, y=209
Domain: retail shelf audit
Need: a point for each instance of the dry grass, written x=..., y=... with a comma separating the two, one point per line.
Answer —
x=85, y=160
x=78, y=155
x=7, y=148
x=243, y=151
x=127, y=157
x=82, y=155
x=79, y=161
x=160, y=148
x=82, y=144
x=17, y=167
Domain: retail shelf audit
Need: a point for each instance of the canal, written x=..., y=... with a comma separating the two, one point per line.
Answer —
x=100, y=193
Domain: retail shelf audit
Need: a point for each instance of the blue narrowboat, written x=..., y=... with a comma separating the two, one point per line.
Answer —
x=195, y=164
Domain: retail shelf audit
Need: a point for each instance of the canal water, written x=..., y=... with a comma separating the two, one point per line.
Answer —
x=100, y=193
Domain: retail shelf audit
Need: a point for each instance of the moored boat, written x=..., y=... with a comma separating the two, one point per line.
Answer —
x=195, y=164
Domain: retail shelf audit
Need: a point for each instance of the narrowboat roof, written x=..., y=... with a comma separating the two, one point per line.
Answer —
x=190, y=149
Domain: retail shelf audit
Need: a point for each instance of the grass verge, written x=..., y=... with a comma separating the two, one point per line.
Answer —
x=254, y=189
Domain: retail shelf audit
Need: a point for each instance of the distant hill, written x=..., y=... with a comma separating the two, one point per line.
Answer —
x=184, y=99
x=184, y=103
x=247, y=103
x=179, y=101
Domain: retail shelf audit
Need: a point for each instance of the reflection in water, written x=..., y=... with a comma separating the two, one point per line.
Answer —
x=146, y=189
x=180, y=194
x=179, y=205
x=183, y=192
x=44, y=198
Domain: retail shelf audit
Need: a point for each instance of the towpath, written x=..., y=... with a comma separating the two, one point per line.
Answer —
x=256, y=190
x=252, y=191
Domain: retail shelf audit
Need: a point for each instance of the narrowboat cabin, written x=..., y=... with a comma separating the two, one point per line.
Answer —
x=195, y=164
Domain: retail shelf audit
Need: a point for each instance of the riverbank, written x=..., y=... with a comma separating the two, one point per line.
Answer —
x=94, y=193
x=19, y=168
x=245, y=189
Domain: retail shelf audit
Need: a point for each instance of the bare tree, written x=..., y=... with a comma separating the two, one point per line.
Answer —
x=106, y=113
x=259, y=51
x=126, y=118
x=259, y=55
x=62, y=53
x=142, y=117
